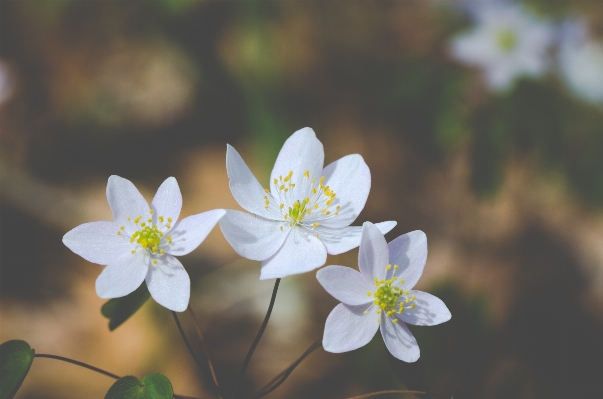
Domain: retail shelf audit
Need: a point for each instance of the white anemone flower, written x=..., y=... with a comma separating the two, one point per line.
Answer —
x=581, y=61
x=305, y=214
x=141, y=241
x=381, y=295
x=506, y=43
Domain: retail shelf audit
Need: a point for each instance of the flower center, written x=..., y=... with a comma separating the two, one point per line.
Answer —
x=306, y=203
x=387, y=296
x=148, y=235
x=507, y=40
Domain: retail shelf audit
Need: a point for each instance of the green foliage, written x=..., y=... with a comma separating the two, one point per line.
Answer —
x=153, y=386
x=118, y=310
x=16, y=357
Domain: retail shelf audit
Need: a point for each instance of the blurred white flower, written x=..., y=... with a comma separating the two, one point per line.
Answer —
x=506, y=43
x=581, y=61
x=7, y=84
x=305, y=214
x=140, y=243
x=380, y=295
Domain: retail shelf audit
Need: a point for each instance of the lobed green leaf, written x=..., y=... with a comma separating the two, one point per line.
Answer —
x=153, y=386
x=16, y=357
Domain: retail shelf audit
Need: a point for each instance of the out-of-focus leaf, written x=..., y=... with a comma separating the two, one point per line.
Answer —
x=153, y=386
x=267, y=129
x=451, y=127
x=118, y=310
x=492, y=142
x=16, y=357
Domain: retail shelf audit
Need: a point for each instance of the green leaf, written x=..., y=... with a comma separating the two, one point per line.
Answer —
x=153, y=386
x=118, y=310
x=16, y=357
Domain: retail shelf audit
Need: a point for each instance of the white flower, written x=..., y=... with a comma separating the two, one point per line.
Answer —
x=381, y=295
x=506, y=43
x=581, y=61
x=304, y=214
x=140, y=243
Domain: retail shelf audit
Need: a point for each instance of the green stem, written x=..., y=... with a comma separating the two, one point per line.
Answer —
x=256, y=340
x=280, y=378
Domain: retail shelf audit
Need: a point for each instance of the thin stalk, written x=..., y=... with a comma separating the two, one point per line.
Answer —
x=101, y=371
x=256, y=340
x=368, y=395
x=198, y=328
x=78, y=363
x=188, y=345
x=280, y=378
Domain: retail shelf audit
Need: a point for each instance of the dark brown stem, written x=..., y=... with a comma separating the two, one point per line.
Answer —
x=78, y=363
x=101, y=371
x=198, y=328
x=368, y=395
x=256, y=340
x=188, y=345
x=280, y=378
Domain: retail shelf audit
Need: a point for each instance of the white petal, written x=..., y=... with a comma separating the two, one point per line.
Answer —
x=399, y=340
x=251, y=236
x=169, y=284
x=429, y=310
x=343, y=239
x=123, y=276
x=350, y=178
x=302, y=151
x=125, y=200
x=373, y=255
x=348, y=328
x=345, y=284
x=97, y=242
x=189, y=232
x=168, y=200
x=409, y=252
x=245, y=188
x=300, y=253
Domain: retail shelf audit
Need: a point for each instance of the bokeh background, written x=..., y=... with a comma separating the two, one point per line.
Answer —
x=507, y=184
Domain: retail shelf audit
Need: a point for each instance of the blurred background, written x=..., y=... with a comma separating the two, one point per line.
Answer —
x=486, y=135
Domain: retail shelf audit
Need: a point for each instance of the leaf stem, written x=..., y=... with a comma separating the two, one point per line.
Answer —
x=188, y=345
x=78, y=363
x=368, y=395
x=256, y=340
x=200, y=334
x=282, y=376
x=101, y=371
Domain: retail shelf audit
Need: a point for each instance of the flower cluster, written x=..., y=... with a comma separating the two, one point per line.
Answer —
x=508, y=42
x=303, y=214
